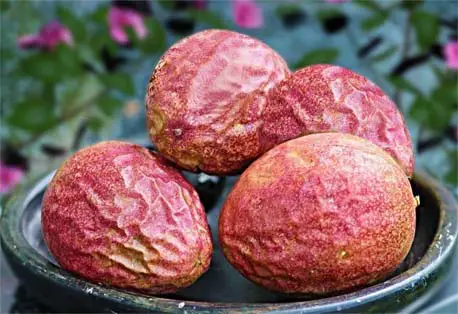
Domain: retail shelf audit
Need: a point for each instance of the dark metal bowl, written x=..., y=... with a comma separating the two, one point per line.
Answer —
x=222, y=289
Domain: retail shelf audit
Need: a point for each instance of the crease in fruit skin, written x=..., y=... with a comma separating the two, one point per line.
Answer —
x=341, y=220
x=218, y=119
x=327, y=98
x=117, y=215
x=213, y=89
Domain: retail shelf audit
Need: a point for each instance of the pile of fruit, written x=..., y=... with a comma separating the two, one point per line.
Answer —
x=323, y=203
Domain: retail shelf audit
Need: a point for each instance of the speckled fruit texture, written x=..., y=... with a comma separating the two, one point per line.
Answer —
x=327, y=98
x=319, y=214
x=115, y=213
x=205, y=99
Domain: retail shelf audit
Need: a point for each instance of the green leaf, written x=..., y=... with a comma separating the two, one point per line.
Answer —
x=90, y=57
x=65, y=91
x=101, y=39
x=452, y=175
x=411, y=4
x=432, y=115
x=67, y=61
x=109, y=105
x=51, y=66
x=426, y=27
x=286, y=9
x=403, y=84
x=131, y=36
x=446, y=95
x=119, y=81
x=95, y=124
x=388, y=52
x=208, y=18
x=5, y=5
x=79, y=92
x=99, y=15
x=7, y=53
x=368, y=4
x=156, y=41
x=40, y=66
x=329, y=13
x=374, y=21
x=75, y=24
x=319, y=56
x=34, y=114
x=439, y=71
x=166, y=4
x=420, y=110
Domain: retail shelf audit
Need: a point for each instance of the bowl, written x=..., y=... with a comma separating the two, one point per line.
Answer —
x=222, y=289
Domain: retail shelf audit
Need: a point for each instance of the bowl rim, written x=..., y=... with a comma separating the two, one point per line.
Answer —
x=14, y=243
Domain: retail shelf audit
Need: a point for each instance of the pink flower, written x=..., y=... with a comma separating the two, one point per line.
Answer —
x=10, y=176
x=29, y=41
x=451, y=54
x=119, y=18
x=247, y=14
x=199, y=4
x=50, y=35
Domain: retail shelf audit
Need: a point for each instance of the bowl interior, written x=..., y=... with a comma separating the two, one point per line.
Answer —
x=222, y=283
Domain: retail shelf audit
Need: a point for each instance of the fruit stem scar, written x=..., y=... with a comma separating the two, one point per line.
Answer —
x=343, y=254
x=198, y=262
x=177, y=132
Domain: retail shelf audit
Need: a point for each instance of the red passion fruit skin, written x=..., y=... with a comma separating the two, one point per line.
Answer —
x=116, y=214
x=328, y=98
x=319, y=214
x=205, y=99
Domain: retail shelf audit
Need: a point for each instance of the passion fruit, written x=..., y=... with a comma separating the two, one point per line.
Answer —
x=117, y=214
x=319, y=214
x=205, y=99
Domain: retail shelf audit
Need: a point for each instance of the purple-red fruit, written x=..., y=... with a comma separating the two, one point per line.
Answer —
x=319, y=214
x=115, y=213
x=328, y=98
x=205, y=100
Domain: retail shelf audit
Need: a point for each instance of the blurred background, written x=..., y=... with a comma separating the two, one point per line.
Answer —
x=75, y=72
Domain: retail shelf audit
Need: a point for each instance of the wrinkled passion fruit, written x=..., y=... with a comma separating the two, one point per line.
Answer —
x=205, y=99
x=115, y=213
x=319, y=214
x=328, y=98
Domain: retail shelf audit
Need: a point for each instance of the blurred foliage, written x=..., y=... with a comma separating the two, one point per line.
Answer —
x=374, y=21
x=207, y=18
x=70, y=81
x=434, y=111
x=90, y=81
x=426, y=27
x=326, y=55
x=388, y=52
x=452, y=175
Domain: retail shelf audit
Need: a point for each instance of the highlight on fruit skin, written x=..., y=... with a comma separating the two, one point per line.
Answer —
x=319, y=214
x=329, y=98
x=116, y=214
x=205, y=99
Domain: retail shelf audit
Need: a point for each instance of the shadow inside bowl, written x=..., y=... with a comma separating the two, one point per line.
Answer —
x=222, y=283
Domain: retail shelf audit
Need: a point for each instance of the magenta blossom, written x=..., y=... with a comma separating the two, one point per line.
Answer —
x=50, y=35
x=10, y=176
x=247, y=14
x=199, y=4
x=451, y=54
x=119, y=18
